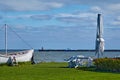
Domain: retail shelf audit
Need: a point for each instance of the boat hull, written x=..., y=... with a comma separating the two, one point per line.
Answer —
x=23, y=56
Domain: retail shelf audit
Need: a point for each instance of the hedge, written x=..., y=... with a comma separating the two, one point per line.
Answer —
x=107, y=64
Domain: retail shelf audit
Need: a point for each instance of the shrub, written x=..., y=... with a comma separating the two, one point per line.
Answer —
x=107, y=64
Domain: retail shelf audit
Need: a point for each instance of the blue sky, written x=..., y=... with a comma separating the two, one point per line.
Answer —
x=59, y=24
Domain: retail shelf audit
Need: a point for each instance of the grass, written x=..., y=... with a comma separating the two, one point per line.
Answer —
x=52, y=71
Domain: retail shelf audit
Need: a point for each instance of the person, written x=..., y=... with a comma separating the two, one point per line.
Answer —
x=32, y=60
x=14, y=61
x=10, y=62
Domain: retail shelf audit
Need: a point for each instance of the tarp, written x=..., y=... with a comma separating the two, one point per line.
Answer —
x=78, y=61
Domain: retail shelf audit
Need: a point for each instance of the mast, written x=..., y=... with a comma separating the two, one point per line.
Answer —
x=6, y=39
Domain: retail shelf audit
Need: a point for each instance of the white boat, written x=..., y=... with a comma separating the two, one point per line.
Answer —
x=21, y=56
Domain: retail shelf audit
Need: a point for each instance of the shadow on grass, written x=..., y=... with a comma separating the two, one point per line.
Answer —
x=93, y=69
x=18, y=64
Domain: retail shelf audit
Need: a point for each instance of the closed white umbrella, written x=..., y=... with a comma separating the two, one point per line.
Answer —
x=99, y=38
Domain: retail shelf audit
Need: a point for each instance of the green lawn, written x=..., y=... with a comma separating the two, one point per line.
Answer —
x=52, y=71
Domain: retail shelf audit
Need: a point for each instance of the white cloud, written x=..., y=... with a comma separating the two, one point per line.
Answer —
x=30, y=5
x=87, y=14
x=96, y=9
x=29, y=16
x=78, y=15
x=114, y=7
x=79, y=18
x=88, y=2
x=118, y=18
x=64, y=15
x=41, y=17
x=106, y=8
x=116, y=23
x=18, y=16
x=27, y=5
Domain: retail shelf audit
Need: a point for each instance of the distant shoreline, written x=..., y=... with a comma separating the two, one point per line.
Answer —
x=77, y=50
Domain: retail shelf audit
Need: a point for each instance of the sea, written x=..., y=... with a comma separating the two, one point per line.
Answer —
x=60, y=56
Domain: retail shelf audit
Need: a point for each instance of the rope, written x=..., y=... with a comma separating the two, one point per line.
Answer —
x=1, y=28
x=20, y=38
